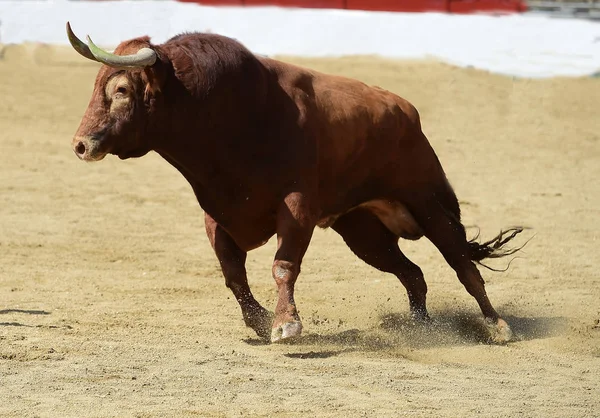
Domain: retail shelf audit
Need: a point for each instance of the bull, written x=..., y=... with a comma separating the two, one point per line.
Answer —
x=270, y=148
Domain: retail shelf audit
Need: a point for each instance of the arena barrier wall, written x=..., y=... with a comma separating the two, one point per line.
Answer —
x=516, y=44
x=447, y=6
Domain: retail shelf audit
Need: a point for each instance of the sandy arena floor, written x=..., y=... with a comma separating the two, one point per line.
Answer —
x=112, y=302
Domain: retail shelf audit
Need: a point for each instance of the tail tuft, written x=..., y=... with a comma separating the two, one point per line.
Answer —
x=494, y=248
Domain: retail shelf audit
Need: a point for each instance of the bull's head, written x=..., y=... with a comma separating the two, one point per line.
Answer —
x=116, y=119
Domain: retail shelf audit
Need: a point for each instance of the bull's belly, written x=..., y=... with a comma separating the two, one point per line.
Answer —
x=394, y=215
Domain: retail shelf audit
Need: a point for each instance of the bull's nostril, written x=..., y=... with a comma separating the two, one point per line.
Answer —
x=80, y=148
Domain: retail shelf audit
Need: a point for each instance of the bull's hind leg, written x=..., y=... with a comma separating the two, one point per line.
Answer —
x=448, y=235
x=376, y=245
x=233, y=260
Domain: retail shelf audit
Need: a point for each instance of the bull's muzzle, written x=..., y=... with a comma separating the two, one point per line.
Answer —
x=87, y=149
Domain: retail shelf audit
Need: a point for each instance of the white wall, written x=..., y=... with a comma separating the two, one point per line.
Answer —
x=522, y=45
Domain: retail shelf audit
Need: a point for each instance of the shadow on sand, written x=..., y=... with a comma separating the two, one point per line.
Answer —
x=28, y=312
x=400, y=331
x=24, y=311
x=14, y=324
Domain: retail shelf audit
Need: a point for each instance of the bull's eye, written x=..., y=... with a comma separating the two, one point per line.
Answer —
x=121, y=90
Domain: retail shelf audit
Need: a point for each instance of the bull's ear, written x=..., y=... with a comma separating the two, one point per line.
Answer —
x=154, y=78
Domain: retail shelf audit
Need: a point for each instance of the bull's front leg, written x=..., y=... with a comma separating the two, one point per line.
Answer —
x=233, y=265
x=296, y=221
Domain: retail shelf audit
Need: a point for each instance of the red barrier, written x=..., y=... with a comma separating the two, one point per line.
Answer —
x=474, y=6
x=313, y=4
x=399, y=5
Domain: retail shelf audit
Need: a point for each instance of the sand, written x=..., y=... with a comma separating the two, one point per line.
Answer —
x=112, y=302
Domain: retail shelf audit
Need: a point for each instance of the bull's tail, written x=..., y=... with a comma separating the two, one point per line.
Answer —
x=494, y=248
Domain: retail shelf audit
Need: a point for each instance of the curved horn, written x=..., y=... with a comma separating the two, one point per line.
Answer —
x=78, y=45
x=143, y=58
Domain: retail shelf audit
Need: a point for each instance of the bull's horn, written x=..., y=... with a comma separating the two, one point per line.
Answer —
x=143, y=58
x=78, y=45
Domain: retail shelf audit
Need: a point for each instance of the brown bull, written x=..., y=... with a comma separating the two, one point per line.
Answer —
x=272, y=148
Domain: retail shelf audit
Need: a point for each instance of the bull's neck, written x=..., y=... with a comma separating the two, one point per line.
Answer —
x=210, y=177
x=187, y=159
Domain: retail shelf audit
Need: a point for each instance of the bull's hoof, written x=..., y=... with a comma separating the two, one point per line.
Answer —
x=286, y=332
x=260, y=321
x=420, y=316
x=500, y=332
x=262, y=328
